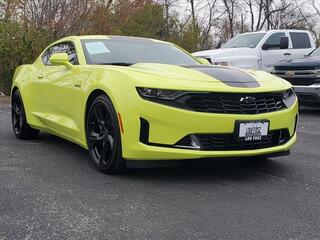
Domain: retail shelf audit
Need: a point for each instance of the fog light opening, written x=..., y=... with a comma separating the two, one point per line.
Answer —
x=191, y=143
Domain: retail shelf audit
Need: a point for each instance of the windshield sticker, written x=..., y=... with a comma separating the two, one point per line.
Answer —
x=96, y=48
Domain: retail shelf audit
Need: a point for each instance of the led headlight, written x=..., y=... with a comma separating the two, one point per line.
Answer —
x=289, y=97
x=156, y=93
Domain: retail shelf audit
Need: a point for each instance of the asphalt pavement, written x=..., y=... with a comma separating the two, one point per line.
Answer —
x=49, y=189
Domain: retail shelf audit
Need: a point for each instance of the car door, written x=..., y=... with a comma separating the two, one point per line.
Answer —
x=274, y=54
x=60, y=92
x=301, y=44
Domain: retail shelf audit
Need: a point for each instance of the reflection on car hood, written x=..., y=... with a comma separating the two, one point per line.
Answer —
x=305, y=61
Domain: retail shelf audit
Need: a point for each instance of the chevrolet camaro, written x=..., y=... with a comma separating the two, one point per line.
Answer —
x=129, y=100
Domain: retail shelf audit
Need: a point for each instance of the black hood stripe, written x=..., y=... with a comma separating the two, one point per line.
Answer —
x=229, y=76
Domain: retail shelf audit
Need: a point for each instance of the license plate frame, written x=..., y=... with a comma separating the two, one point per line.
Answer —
x=243, y=125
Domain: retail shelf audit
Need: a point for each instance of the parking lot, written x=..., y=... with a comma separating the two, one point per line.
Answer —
x=50, y=190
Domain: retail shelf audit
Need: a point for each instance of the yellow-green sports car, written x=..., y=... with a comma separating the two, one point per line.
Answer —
x=131, y=100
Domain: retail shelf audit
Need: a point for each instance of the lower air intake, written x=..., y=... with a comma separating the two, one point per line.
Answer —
x=221, y=142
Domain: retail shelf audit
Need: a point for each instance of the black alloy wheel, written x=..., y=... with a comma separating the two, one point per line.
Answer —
x=21, y=128
x=103, y=136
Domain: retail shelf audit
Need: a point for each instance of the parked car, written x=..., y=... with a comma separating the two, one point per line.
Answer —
x=261, y=50
x=129, y=99
x=304, y=75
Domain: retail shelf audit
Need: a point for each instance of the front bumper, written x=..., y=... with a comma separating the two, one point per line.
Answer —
x=305, y=82
x=167, y=125
x=308, y=94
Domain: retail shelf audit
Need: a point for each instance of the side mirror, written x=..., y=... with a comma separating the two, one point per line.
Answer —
x=284, y=43
x=203, y=61
x=60, y=59
x=265, y=46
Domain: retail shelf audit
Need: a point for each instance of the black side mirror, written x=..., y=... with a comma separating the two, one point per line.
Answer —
x=284, y=43
x=265, y=46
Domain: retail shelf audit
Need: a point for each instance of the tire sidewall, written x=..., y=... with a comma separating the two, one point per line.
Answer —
x=24, y=120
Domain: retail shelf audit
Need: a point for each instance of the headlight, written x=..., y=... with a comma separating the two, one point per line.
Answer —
x=289, y=97
x=221, y=62
x=318, y=72
x=163, y=94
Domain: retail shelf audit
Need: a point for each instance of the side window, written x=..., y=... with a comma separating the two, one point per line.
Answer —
x=274, y=40
x=46, y=56
x=66, y=47
x=300, y=40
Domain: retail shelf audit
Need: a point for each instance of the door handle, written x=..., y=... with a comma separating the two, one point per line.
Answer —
x=287, y=54
x=41, y=75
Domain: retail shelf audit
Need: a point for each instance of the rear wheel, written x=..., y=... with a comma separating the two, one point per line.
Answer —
x=21, y=128
x=103, y=136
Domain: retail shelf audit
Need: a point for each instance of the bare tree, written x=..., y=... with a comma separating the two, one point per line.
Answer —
x=168, y=4
x=209, y=21
x=230, y=11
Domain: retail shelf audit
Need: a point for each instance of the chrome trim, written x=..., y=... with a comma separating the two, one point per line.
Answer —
x=314, y=86
x=195, y=143
x=297, y=73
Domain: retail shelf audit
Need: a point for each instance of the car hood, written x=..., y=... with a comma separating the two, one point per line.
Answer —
x=224, y=53
x=305, y=61
x=203, y=77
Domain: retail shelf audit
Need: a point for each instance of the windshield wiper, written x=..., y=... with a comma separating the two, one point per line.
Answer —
x=117, y=63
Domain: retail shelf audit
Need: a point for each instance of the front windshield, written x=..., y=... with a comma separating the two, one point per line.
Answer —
x=244, y=40
x=127, y=51
x=315, y=52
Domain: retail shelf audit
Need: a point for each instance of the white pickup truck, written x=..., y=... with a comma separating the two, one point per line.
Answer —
x=261, y=50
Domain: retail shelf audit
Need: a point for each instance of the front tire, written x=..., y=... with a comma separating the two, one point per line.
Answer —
x=21, y=128
x=103, y=136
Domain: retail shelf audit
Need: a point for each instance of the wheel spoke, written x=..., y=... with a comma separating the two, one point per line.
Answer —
x=99, y=117
x=94, y=136
x=105, y=151
x=111, y=141
x=16, y=108
x=17, y=124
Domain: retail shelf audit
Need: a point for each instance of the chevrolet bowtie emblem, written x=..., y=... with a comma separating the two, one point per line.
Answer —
x=247, y=99
x=290, y=73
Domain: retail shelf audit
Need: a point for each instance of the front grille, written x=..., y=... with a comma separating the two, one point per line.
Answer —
x=302, y=81
x=221, y=142
x=234, y=103
x=292, y=68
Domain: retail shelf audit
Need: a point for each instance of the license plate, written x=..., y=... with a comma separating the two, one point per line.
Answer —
x=252, y=130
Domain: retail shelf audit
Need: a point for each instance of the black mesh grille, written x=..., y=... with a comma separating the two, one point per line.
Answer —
x=220, y=142
x=294, y=68
x=235, y=103
x=302, y=81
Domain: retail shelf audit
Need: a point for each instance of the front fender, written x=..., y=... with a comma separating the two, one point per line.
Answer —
x=118, y=85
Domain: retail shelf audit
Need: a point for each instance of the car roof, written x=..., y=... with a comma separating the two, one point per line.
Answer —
x=115, y=37
x=276, y=30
